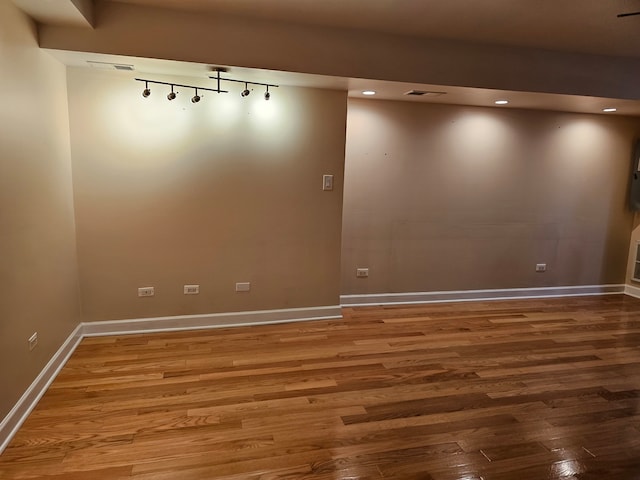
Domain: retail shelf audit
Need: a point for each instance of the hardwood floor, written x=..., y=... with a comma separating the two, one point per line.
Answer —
x=539, y=389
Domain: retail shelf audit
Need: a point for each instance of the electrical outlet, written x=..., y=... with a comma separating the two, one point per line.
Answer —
x=541, y=267
x=33, y=341
x=243, y=287
x=146, y=292
x=191, y=289
x=362, y=272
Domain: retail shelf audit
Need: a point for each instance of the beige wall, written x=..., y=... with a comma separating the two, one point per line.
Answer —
x=454, y=198
x=38, y=269
x=225, y=191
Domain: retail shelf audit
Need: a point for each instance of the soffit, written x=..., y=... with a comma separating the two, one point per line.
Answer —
x=584, y=26
x=197, y=74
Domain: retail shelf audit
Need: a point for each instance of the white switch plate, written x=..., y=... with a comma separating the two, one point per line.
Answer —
x=541, y=267
x=146, y=292
x=243, y=286
x=362, y=272
x=191, y=289
x=33, y=341
x=327, y=182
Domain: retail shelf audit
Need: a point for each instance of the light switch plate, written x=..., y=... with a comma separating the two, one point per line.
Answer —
x=327, y=182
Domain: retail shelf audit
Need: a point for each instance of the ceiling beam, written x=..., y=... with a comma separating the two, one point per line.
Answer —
x=70, y=13
x=137, y=31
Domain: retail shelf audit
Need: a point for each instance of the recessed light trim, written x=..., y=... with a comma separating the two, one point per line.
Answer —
x=369, y=92
x=501, y=102
x=609, y=110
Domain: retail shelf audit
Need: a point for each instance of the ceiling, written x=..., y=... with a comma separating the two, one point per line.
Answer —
x=584, y=26
x=168, y=70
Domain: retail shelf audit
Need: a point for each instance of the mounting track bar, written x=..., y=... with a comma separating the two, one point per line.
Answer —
x=217, y=90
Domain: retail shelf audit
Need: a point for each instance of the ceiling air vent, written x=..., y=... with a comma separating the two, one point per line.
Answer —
x=424, y=93
x=109, y=65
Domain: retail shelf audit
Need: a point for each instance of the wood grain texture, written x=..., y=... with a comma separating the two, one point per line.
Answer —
x=534, y=389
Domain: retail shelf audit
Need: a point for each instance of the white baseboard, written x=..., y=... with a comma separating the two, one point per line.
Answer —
x=18, y=414
x=632, y=291
x=479, y=295
x=21, y=410
x=212, y=320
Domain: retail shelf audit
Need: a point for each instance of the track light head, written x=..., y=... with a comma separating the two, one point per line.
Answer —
x=267, y=95
x=171, y=96
x=146, y=92
x=195, y=99
x=246, y=91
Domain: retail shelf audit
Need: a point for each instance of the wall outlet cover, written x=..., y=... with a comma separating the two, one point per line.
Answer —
x=362, y=272
x=146, y=291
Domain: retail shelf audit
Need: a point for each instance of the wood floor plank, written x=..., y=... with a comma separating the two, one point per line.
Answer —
x=515, y=389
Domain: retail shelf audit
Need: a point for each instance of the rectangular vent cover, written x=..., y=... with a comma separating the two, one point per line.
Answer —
x=109, y=65
x=424, y=93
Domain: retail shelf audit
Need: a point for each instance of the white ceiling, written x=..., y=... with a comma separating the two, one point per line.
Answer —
x=586, y=26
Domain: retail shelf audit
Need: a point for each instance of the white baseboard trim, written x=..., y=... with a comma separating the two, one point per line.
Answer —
x=212, y=320
x=632, y=291
x=18, y=414
x=21, y=410
x=479, y=295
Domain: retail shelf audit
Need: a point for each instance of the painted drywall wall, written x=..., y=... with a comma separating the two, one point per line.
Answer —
x=220, y=39
x=38, y=269
x=453, y=198
x=227, y=190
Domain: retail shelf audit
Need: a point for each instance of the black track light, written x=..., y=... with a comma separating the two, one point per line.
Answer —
x=196, y=97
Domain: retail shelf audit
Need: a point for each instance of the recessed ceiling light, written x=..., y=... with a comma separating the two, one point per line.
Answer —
x=368, y=92
x=501, y=102
x=609, y=110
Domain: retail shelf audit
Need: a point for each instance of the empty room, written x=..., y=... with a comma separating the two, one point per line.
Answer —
x=286, y=239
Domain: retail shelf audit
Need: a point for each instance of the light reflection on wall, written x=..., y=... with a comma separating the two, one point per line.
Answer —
x=156, y=130
x=145, y=128
x=479, y=140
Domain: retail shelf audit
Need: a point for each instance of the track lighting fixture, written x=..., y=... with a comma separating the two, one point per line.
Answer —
x=246, y=90
x=196, y=98
x=172, y=95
